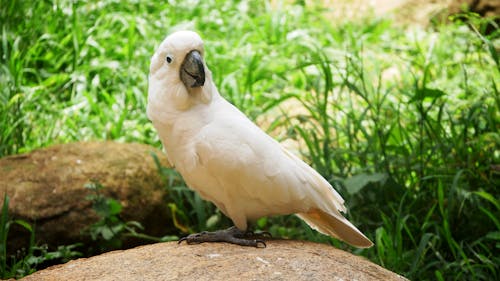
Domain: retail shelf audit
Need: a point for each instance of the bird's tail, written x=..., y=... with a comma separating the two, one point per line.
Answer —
x=336, y=226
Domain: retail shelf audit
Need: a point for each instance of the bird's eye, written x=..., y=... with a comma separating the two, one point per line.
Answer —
x=169, y=59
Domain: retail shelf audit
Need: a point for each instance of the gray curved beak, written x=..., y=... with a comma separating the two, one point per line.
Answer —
x=192, y=71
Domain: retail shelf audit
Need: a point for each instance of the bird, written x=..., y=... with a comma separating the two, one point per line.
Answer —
x=226, y=158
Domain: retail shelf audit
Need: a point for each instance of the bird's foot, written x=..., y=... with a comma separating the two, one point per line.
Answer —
x=231, y=235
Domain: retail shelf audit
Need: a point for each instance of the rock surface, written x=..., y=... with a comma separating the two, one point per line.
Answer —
x=485, y=8
x=46, y=189
x=281, y=260
x=410, y=11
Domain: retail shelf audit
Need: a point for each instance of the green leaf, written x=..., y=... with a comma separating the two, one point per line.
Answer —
x=489, y=197
x=106, y=233
x=262, y=222
x=117, y=228
x=167, y=238
x=114, y=207
x=427, y=93
x=24, y=224
x=135, y=224
x=355, y=183
x=101, y=207
x=494, y=235
x=212, y=220
x=439, y=275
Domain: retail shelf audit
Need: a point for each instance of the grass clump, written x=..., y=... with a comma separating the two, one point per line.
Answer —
x=419, y=146
x=403, y=121
x=36, y=256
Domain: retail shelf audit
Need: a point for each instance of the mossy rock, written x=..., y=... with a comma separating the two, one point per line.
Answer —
x=47, y=189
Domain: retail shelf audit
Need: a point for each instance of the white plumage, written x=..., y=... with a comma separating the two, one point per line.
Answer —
x=225, y=157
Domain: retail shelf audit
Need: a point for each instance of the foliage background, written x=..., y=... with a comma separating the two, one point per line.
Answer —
x=402, y=120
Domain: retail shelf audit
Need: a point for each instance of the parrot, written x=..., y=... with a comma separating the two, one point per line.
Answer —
x=226, y=158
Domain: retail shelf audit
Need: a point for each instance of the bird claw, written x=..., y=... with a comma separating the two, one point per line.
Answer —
x=182, y=239
x=195, y=238
x=262, y=242
x=231, y=235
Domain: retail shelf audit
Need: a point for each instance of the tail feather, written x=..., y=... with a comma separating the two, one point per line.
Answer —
x=336, y=226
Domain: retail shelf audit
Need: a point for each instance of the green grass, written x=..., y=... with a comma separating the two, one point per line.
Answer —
x=402, y=121
x=28, y=260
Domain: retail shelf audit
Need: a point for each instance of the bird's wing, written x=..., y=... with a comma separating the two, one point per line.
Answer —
x=258, y=175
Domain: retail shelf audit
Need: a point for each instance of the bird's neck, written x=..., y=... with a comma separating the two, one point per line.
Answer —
x=203, y=95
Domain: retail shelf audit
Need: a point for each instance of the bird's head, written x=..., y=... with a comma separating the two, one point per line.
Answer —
x=178, y=73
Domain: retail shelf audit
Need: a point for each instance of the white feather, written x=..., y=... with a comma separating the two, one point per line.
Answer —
x=227, y=159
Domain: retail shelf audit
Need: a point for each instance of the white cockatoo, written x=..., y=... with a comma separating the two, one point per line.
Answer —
x=226, y=158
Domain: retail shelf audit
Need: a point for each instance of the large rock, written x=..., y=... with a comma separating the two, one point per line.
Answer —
x=281, y=260
x=46, y=189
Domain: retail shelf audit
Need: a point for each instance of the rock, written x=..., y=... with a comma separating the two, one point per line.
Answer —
x=46, y=189
x=485, y=8
x=406, y=12
x=421, y=12
x=281, y=260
